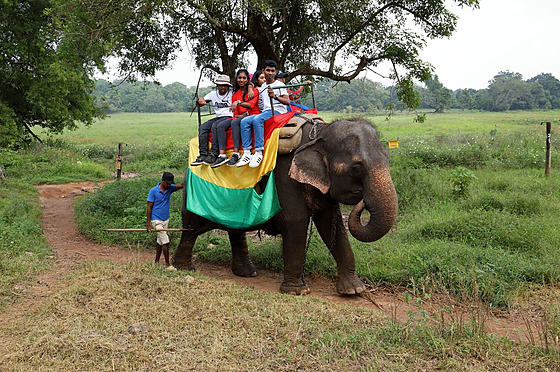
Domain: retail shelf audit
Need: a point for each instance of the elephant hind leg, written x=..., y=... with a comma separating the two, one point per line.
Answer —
x=293, y=249
x=241, y=264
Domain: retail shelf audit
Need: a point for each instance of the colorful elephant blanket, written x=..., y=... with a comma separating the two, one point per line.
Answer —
x=226, y=195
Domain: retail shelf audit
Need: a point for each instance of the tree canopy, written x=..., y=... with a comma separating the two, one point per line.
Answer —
x=50, y=49
x=40, y=83
x=436, y=95
x=329, y=38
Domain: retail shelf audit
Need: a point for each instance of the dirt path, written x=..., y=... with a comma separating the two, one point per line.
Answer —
x=72, y=249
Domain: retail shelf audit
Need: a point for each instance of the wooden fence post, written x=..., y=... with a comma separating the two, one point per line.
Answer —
x=548, y=141
x=118, y=164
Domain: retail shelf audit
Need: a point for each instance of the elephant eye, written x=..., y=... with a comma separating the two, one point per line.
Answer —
x=357, y=170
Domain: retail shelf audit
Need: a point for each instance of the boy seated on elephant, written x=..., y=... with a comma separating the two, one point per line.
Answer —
x=221, y=101
x=279, y=98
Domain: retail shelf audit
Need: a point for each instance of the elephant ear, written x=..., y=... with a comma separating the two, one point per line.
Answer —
x=309, y=166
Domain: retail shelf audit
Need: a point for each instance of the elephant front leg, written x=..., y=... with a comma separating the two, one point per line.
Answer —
x=331, y=228
x=241, y=264
x=293, y=249
x=182, y=258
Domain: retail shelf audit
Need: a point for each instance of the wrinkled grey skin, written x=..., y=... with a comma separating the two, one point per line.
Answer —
x=345, y=164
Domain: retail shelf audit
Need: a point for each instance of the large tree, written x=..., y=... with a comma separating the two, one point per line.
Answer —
x=324, y=38
x=510, y=92
x=40, y=83
x=436, y=95
x=551, y=86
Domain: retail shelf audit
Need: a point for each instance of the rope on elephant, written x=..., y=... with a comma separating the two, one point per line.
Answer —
x=317, y=123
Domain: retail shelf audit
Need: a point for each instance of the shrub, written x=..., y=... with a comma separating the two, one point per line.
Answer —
x=122, y=204
x=461, y=179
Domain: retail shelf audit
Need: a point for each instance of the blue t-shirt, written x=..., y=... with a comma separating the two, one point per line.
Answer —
x=160, y=210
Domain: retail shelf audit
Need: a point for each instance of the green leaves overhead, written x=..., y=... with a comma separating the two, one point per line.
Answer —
x=322, y=38
x=50, y=49
x=39, y=83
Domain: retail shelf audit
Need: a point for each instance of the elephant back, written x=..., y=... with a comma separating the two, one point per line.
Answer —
x=291, y=135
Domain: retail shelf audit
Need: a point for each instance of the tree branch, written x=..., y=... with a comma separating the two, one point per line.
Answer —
x=31, y=132
x=358, y=29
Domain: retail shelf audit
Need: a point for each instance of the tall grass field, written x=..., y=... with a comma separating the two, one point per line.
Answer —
x=477, y=216
x=478, y=221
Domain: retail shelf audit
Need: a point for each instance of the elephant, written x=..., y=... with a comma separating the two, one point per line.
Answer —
x=338, y=163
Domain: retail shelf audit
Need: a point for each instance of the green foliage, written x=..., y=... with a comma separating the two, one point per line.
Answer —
x=40, y=83
x=152, y=158
x=503, y=151
x=124, y=96
x=42, y=164
x=122, y=204
x=436, y=95
x=361, y=96
x=461, y=179
x=509, y=92
x=347, y=39
x=23, y=250
x=551, y=87
x=9, y=131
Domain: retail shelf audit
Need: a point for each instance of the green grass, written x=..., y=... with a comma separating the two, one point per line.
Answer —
x=488, y=244
x=497, y=242
x=137, y=129
x=465, y=122
x=141, y=317
x=152, y=129
x=43, y=164
x=23, y=249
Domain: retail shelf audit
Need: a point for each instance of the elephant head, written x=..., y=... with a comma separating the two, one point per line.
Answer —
x=347, y=162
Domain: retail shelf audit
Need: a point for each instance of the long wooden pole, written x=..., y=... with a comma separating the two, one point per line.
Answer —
x=154, y=230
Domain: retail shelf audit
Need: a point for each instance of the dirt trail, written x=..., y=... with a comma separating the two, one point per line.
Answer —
x=72, y=249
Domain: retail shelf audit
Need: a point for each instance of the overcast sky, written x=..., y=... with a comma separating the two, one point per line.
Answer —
x=517, y=35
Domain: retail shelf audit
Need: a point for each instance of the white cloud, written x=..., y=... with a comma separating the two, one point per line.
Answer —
x=516, y=35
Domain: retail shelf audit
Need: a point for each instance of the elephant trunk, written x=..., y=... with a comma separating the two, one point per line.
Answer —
x=380, y=199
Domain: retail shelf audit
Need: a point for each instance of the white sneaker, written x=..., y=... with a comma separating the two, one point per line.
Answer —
x=256, y=161
x=245, y=159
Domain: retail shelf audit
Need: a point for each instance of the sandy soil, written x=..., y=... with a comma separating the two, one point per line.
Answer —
x=72, y=249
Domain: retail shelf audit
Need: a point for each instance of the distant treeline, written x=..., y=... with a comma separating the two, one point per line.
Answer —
x=506, y=91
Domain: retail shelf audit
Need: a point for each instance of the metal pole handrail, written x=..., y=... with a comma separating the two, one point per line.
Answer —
x=290, y=86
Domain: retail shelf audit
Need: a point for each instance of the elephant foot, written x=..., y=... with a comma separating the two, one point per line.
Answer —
x=243, y=266
x=183, y=265
x=349, y=285
x=295, y=290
